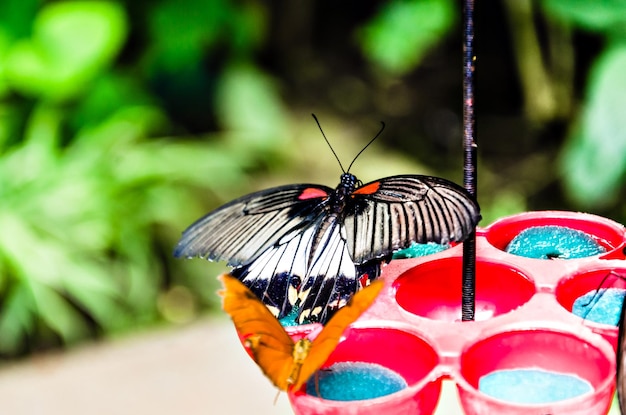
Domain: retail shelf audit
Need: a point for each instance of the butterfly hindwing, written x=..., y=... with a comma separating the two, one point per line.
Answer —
x=332, y=279
x=276, y=275
x=270, y=345
x=241, y=230
x=310, y=268
x=391, y=213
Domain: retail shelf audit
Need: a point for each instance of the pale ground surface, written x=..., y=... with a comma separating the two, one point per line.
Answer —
x=199, y=369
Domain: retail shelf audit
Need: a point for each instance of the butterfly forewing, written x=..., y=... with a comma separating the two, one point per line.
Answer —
x=242, y=229
x=391, y=213
x=327, y=340
x=270, y=345
x=274, y=363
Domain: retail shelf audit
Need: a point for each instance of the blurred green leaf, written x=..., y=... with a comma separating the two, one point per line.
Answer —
x=108, y=94
x=58, y=314
x=602, y=15
x=250, y=109
x=71, y=43
x=97, y=292
x=78, y=219
x=4, y=48
x=404, y=30
x=184, y=30
x=248, y=27
x=593, y=161
x=502, y=203
x=16, y=17
x=17, y=318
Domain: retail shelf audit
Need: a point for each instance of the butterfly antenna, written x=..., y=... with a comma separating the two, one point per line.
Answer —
x=276, y=397
x=327, y=142
x=382, y=127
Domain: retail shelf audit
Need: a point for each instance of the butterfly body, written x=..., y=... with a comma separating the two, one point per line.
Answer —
x=312, y=247
x=300, y=352
x=337, y=199
x=287, y=363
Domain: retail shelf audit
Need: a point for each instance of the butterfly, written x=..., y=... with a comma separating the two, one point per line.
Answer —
x=286, y=363
x=312, y=247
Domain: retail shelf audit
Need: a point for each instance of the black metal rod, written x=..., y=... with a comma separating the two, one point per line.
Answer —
x=468, y=301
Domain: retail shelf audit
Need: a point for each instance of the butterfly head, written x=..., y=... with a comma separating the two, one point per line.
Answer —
x=301, y=349
x=349, y=181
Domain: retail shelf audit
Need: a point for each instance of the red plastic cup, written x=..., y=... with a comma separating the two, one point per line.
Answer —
x=609, y=234
x=550, y=349
x=433, y=289
x=396, y=349
x=588, y=279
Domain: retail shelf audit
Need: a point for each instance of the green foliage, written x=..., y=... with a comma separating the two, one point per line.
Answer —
x=78, y=221
x=90, y=200
x=405, y=30
x=181, y=30
x=594, y=159
x=70, y=43
x=606, y=16
x=250, y=109
x=593, y=163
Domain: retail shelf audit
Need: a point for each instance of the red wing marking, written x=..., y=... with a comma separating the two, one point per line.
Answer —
x=368, y=190
x=312, y=193
x=363, y=280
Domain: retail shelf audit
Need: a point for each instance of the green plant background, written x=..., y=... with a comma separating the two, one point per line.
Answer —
x=123, y=122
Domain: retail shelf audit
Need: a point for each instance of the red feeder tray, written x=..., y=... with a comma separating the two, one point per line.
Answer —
x=523, y=320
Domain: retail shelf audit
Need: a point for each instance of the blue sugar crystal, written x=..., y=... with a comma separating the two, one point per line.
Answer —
x=554, y=242
x=354, y=381
x=290, y=319
x=420, y=250
x=532, y=386
x=601, y=306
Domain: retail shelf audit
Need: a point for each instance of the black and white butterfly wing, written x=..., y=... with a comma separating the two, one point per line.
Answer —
x=333, y=277
x=391, y=213
x=276, y=275
x=241, y=230
x=311, y=269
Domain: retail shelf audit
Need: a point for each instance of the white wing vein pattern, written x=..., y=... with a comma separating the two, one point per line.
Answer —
x=408, y=209
x=240, y=231
x=289, y=274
